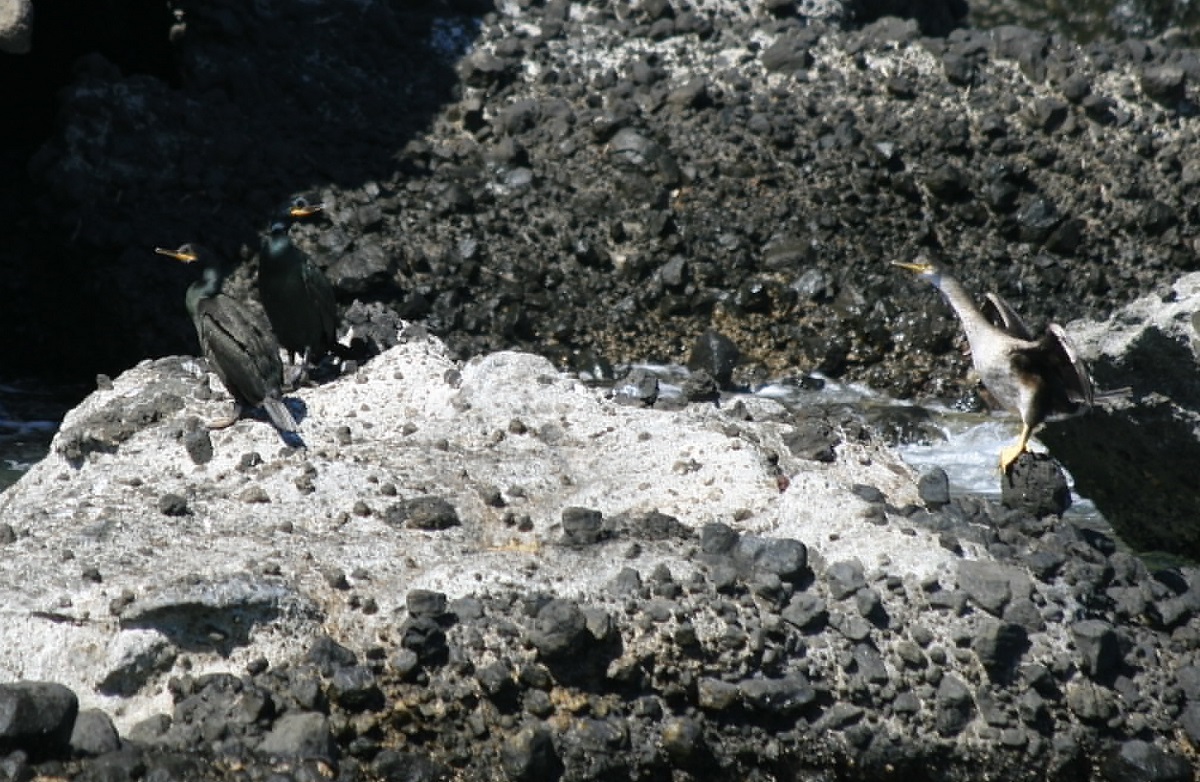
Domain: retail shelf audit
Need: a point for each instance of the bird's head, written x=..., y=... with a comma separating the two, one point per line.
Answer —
x=213, y=266
x=923, y=267
x=298, y=208
x=186, y=253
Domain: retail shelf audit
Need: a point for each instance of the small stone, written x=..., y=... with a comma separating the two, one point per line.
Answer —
x=255, y=495
x=172, y=505
x=716, y=695
x=783, y=557
x=299, y=735
x=37, y=716
x=683, y=740
x=845, y=578
x=954, y=706
x=999, y=646
x=582, y=526
x=1089, y=702
x=1140, y=761
x=933, y=487
x=1036, y=484
x=427, y=513
x=1166, y=84
x=197, y=442
x=559, y=630
x=529, y=756
x=990, y=585
x=1098, y=647
x=780, y=697
x=805, y=611
x=328, y=655
x=426, y=602
x=353, y=687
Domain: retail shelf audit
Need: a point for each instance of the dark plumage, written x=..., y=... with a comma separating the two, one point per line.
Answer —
x=1039, y=378
x=237, y=346
x=295, y=293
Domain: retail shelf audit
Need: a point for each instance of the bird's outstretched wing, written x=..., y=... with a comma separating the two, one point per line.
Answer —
x=1005, y=318
x=1067, y=386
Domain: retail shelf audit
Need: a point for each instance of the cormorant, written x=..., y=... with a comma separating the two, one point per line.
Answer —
x=295, y=293
x=243, y=353
x=1038, y=377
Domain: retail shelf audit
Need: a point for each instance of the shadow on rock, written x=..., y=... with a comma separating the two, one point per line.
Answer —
x=575, y=643
x=248, y=105
x=1135, y=457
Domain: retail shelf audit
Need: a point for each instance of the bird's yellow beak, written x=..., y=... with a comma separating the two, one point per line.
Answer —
x=179, y=256
x=917, y=268
x=304, y=210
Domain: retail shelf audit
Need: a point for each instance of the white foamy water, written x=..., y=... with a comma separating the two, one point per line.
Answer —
x=970, y=454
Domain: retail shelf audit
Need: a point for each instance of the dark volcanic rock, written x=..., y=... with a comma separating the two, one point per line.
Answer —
x=1099, y=649
x=299, y=735
x=559, y=629
x=1144, y=762
x=999, y=646
x=94, y=733
x=715, y=354
x=954, y=707
x=1111, y=452
x=36, y=717
x=1036, y=485
x=428, y=513
x=529, y=756
x=603, y=184
x=991, y=586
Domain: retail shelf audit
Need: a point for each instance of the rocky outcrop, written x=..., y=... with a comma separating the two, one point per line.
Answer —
x=491, y=569
x=591, y=182
x=16, y=26
x=1134, y=454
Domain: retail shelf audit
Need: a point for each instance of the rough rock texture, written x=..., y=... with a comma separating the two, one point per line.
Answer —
x=1134, y=455
x=625, y=592
x=606, y=180
x=16, y=26
x=603, y=183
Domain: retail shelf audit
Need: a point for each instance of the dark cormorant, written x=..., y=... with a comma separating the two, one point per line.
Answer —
x=1038, y=377
x=237, y=346
x=295, y=293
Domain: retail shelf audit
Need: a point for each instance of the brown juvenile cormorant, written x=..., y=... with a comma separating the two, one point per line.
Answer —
x=237, y=346
x=1038, y=377
x=295, y=293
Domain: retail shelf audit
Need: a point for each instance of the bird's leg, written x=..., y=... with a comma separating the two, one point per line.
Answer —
x=1011, y=453
x=305, y=366
x=294, y=375
x=230, y=420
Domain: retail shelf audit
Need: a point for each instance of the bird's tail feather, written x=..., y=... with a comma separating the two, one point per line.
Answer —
x=279, y=414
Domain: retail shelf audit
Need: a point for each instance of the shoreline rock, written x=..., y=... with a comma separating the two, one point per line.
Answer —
x=615, y=591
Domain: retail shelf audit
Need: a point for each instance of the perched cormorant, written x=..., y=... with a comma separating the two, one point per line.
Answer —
x=295, y=293
x=1038, y=377
x=243, y=353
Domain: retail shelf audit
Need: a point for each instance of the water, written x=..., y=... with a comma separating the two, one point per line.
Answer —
x=1091, y=20
x=970, y=453
x=965, y=445
x=30, y=412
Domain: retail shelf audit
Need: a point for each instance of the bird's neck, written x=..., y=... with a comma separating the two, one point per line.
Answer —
x=205, y=288
x=969, y=314
x=278, y=246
